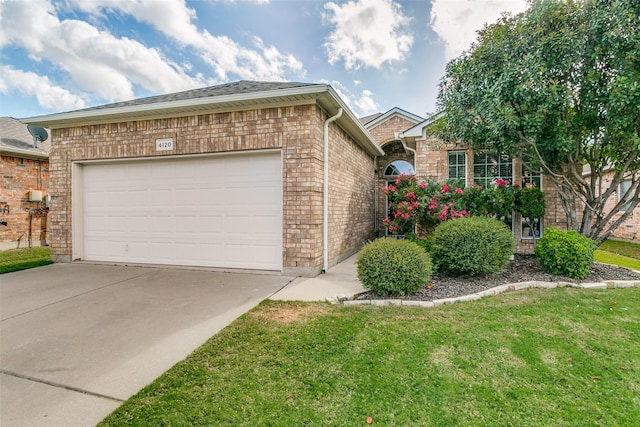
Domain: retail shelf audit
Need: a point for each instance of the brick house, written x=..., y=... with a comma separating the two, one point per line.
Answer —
x=248, y=175
x=408, y=144
x=25, y=182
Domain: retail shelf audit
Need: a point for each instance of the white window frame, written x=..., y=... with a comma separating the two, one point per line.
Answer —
x=529, y=179
x=457, y=166
x=625, y=193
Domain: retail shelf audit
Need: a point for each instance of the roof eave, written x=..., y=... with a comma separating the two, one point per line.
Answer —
x=24, y=153
x=322, y=94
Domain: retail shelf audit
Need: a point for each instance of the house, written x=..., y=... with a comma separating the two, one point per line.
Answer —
x=25, y=181
x=246, y=175
x=274, y=176
x=409, y=147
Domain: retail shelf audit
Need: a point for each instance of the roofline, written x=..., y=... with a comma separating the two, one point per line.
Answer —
x=23, y=152
x=316, y=93
x=420, y=130
x=392, y=111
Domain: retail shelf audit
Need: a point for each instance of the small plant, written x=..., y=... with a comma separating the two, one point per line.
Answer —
x=566, y=253
x=471, y=246
x=393, y=267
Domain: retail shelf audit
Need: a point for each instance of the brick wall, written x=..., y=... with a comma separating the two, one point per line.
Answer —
x=26, y=221
x=351, y=196
x=297, y=131
x=630, y=228
x=386, y=130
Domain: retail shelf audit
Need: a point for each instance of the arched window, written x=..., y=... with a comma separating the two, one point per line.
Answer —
x=399, y=167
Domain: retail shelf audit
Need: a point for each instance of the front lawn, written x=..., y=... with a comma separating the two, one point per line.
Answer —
x=21, y=259
x=628, y=249
x=624, y=254
x=561, y=357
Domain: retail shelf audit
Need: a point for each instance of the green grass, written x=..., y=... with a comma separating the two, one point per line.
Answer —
x=628, y=249
x=561, y=357
x=624, y=254
x=21, y=259
x=612, y=258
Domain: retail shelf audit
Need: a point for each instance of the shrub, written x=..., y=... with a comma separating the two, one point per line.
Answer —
x=566, y=253
x=393, y=267
x=471, y=246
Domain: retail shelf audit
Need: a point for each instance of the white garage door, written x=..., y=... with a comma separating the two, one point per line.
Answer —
x=223, y=211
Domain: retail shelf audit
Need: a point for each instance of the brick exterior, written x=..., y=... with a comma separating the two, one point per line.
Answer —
x=296, y=130
x=630, y=228
x=26, y=221
x=386, y=130
x=351, y=196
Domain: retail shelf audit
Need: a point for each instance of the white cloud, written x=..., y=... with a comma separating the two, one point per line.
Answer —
x=456, y=21
x=367, y=33
x=361, y=104
x=96, y=61
x=224, y=55
x=48, y=95
x=366, y=103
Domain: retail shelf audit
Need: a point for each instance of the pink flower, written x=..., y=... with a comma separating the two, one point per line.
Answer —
x=445, y=188
x=386, y=222
x=422, y=185
x=410, y=195
x=414, y=205
x=459, y=191
x=442, y=216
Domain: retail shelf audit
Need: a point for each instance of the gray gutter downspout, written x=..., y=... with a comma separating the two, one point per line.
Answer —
x=325, y=193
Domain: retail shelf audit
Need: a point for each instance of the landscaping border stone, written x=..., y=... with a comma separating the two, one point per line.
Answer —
x=511, y=287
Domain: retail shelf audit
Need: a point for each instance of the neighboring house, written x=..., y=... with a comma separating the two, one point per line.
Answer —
x=410, y=148
x=230, y=176
x=630, y=228
x=25, y=181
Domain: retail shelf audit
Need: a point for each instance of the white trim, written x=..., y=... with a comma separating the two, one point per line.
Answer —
x=395, y=111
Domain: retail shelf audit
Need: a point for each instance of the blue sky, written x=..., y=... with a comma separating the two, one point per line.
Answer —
x=378, y=54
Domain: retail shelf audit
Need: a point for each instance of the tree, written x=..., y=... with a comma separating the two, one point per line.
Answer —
x=559, y=86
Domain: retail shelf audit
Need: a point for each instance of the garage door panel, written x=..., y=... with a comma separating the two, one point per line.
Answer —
x=215, y=211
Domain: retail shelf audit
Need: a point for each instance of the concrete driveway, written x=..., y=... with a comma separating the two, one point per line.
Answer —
x=78, y=339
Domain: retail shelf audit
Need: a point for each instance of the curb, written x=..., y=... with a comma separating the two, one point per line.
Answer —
x=609, y=284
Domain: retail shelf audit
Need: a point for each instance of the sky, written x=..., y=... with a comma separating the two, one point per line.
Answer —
x=64, y=55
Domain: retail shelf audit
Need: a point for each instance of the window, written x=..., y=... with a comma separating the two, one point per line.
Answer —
x=531, y=177
x=399, y=167
x=487, y=167
x=531, y=228
x=624, y=193
x=458, y=166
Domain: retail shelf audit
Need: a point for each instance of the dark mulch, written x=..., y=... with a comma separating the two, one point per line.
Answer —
x=523, y=268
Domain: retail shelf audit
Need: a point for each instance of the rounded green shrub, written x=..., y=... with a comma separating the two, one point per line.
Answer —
x=566, y=253
x=393, y=267
x=471, y=246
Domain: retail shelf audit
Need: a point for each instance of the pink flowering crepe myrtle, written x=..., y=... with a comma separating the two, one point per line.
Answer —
x=420, y=207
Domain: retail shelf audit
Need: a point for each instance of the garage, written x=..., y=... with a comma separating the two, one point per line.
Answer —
x=214, y=211
x=249, y=175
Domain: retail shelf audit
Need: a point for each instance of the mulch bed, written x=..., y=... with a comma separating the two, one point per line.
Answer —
x=523, y=268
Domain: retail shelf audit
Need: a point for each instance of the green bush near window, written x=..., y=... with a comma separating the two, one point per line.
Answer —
x=471, y=246
x=566, y=253
x=393, y=267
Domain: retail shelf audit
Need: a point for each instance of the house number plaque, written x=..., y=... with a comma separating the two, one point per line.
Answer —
x=164, y=144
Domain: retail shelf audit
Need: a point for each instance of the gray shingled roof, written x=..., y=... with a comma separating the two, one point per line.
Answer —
x=15, y=138
x=235, y=88
x=366, y=119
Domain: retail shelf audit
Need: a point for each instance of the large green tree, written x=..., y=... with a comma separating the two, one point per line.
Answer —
x=558, y=85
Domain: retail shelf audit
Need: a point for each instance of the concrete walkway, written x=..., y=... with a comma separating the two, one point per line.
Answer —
x=341, y=281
